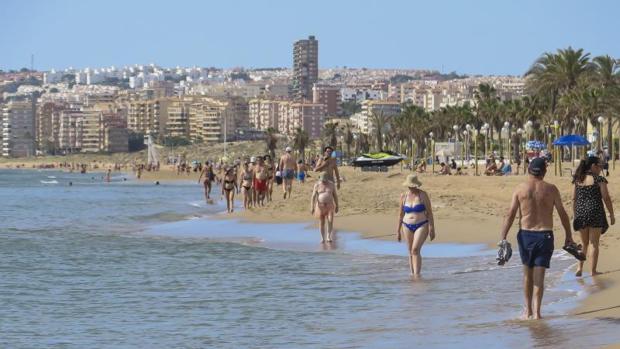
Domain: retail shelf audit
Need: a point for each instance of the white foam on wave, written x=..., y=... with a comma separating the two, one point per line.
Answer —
x=478, y=270
x=49, y=182
x=52, y=177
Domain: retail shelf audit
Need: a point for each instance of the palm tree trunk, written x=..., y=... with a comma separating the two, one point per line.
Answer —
x=610, y=139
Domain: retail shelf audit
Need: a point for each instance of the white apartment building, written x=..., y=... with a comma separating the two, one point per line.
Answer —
x=17, y=124
x=264, y=114
x=387, y=108
x=144, y=116
x=175, y=117
x=210, y=119
x=70, y=130
x=92, y=140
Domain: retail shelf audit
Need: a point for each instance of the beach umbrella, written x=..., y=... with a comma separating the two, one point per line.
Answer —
x=571, y=140
x=535, y=145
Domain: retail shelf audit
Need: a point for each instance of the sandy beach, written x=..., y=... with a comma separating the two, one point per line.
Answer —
x=467, y=209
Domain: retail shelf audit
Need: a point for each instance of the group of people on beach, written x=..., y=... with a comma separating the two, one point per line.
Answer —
x=534, y=201
x=256, y=176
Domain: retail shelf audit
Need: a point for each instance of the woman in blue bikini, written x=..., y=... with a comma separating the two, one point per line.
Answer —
x=416, y=219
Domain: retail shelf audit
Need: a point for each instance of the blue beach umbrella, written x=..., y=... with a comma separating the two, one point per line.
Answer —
x=535, y=145
x=571, y=140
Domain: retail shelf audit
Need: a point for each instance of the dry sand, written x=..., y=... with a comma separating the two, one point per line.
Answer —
x=467, y=209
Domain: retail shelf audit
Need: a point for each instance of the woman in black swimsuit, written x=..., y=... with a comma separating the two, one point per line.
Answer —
x=589, y=214
x=247, y=178
x=229, y=185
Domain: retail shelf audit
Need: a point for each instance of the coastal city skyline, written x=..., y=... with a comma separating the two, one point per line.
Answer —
x=485, y=38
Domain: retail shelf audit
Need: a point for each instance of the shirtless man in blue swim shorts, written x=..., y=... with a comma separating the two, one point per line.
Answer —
x=535, y=200
x=287, y=167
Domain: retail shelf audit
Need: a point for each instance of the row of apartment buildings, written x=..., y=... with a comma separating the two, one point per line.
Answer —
x=26, y=127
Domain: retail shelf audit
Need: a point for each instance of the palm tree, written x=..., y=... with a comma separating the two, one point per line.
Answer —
x=271, y=142
x=487, y=105
x=330, y=131
x=607, y=77
x=556, y=75
x=379, y=122
x=363, y=143
x=348, y=137
x=300, y=141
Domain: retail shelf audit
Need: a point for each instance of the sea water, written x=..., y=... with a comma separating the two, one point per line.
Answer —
x=130, y=264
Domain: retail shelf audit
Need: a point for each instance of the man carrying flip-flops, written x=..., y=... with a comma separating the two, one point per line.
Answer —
x=535, y=200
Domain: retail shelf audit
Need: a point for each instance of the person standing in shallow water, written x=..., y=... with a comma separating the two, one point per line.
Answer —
x=535, y=200
x=415, y=218
x=207, y=171
x=324, y=204
x=589, y=214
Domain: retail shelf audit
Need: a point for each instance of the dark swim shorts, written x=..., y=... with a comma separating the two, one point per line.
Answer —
x=535, y=247
x=288, y=173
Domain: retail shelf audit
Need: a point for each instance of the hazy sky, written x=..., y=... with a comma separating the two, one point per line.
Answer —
x=468, y=36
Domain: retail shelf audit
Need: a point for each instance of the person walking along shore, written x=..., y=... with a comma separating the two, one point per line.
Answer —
x=535, y=200
x=324, y=204
x=415, y=218
x=589, y=213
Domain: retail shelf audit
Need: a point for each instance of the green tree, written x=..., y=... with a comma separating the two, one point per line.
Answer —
x=300, y=141
x=607, y=77
x=348, y=137
x=380, y=122
x=350, y=107
x=330, y=133
x=271, y=141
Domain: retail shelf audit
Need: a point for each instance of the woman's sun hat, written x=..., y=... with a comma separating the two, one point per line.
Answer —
x=412, y=181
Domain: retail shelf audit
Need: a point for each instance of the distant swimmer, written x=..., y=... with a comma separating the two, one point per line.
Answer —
x=535, y=200
x=287, y=168
x=415, y=218
x=108, y=176
x=324, y=204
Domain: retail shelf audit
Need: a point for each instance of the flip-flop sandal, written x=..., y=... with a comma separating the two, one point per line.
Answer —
x=575, y=250
x=504, y=253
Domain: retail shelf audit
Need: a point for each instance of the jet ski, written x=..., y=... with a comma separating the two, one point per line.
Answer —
x=384, y=158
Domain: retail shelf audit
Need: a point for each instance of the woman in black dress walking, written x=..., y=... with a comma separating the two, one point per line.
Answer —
x=589, y=214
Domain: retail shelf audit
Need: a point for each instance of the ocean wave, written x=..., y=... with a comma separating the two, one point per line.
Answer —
x=49, y=182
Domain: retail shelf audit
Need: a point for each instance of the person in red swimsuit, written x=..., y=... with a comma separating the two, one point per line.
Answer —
x=260, y=182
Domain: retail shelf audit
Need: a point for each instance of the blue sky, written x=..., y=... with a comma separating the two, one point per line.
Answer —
x=474, y=37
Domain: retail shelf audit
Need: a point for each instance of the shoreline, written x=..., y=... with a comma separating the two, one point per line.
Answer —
x=467, y=210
